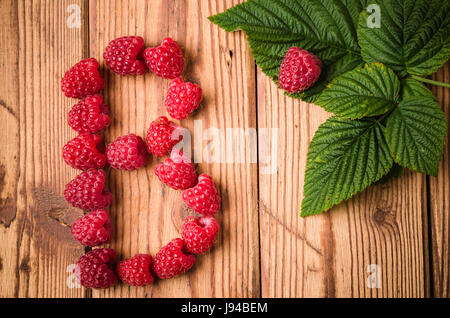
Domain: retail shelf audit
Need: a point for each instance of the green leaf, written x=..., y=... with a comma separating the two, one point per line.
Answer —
x=362, y=92
x=413, y=36
x=412, y=88
x=326, y=28
x=415, y=133
x=345, y=157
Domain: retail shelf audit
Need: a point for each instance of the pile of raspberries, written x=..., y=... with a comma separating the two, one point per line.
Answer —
x=88, y=191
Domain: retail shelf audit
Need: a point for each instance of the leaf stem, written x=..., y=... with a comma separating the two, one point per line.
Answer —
x=426, y=80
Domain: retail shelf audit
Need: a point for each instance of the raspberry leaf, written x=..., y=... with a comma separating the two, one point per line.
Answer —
x=415, y=133
x=412, y=88
x=413, y=37
x=362, y=92
x=326, y=28
x=345, y=157
x=386, y=120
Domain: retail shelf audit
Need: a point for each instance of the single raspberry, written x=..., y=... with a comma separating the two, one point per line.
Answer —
x=172, y=260
x=84, y=152
x=165, y=60
x=299, y=71
x=204, y=198
x=162, y=136
x=124, y=56
x=93, y=229
x=136, y=270
x=199, y=234
x=90, y=115
x=87, y=191
x=177, y=172
x=182, y=98
x=82, y=80
x=96, y=269
x=127, y=153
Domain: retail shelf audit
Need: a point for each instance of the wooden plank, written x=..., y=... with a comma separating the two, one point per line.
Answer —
x=329, y=255
x=440, y=202
x=147, y=214
x=9, y=169
x=37, y=47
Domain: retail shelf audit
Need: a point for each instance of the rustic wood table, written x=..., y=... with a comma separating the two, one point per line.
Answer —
x=397, y=233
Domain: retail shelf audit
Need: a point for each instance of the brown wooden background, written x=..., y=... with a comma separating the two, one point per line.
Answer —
x=264, y=248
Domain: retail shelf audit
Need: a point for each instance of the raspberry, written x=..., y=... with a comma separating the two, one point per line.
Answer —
x=124, y=56
x=136, y=270
x=199, y=234
x=165, y=60
x=299, y=70
x=172, y=260
x=162, y=136
x=96, y=269
x=87, y=191
x=85, y=152
x=177, y=172
x=204, y=198
x=82, y=80
x=127, y=153
x=182, y=98
x=93, y=229
x=90, y=115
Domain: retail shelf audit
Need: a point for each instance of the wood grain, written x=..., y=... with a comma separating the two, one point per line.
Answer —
x=148, y=214
x=329, y=255
x=37, y=47
x=440, y=202
x=264, y=247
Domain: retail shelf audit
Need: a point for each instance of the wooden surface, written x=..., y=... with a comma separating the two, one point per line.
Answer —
x=327, y=255
x=264, y=247
x=439, y=192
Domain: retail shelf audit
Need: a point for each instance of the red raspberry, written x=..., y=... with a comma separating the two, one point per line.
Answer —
x=177, y=172
x=82, y=80
x=172, y=260
x=162, y=136
x=204, y=198
x=136, y=270
x=299, y=70
x=87, y=191
x=84, y=152
x=93, y=229
x=165, y=60
x=182, y=98
x=96, y=269
x=199, y=234
x=127, y=153
x=90, y=115
x=124, y=56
